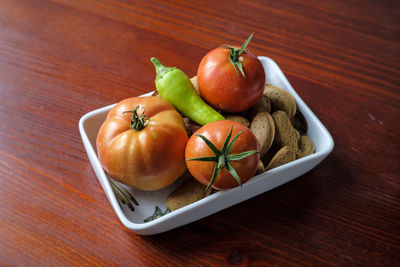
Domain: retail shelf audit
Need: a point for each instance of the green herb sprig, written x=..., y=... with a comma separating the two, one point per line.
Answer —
x=122, y=194
x=157, y=214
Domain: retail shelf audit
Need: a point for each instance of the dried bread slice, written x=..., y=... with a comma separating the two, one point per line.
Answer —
x=263, y=105
x=239, y=119
x=284, y=155
x=285, y=134
x=281, y=100
x=306, y=147
x=188, y=192
x=263, y=127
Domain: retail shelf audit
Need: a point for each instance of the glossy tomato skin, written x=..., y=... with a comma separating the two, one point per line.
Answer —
x=149, y=159
x=216, y=132
x=222, y=88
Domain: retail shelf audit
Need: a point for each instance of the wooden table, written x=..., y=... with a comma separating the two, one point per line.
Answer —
x=61, y=59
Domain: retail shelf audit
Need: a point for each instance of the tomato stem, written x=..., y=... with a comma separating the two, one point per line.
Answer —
x=221, y=162
x=235, y=53
x=137, y=122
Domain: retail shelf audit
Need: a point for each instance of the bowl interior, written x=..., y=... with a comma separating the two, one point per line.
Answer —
x=91, y=122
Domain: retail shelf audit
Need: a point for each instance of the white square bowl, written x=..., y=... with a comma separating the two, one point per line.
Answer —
x=90, y=123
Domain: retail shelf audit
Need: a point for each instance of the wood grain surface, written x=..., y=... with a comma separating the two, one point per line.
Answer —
x=61, y=59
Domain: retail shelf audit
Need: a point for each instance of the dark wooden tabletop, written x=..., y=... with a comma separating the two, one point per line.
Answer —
x=61, y=59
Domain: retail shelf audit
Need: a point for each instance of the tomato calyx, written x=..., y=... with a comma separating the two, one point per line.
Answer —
x=137, y=122
x=222, y=158
x=234, y=56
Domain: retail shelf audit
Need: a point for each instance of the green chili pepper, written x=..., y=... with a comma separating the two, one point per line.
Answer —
x=175, y=86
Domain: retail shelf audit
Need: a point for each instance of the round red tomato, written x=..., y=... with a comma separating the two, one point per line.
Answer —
x=225, y=87
x=145, y=151
x=240, y=153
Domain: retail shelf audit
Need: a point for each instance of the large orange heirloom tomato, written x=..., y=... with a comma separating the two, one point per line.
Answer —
x=142, y=143
x=222, y=154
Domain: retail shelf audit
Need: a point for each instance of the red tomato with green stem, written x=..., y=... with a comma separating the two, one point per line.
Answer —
x=222, y=154
x=231, y=79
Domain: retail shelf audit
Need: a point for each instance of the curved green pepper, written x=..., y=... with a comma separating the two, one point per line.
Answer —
x=175, y=86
